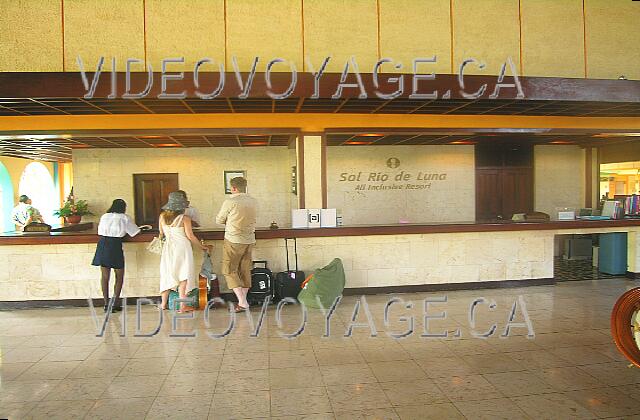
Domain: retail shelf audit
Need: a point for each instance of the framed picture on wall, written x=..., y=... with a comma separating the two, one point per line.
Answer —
x=228, y=176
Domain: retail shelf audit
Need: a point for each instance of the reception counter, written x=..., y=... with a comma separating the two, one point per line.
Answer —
x=379, y=258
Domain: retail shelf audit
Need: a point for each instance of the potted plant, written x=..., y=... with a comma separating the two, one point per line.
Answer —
x=72, y=210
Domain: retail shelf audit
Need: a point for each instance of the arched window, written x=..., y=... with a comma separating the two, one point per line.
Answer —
x=37, y=183
x=6, y=200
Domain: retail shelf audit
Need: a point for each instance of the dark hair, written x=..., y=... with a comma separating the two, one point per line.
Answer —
x=24, y=198
x=118, y=206
x=184, y=194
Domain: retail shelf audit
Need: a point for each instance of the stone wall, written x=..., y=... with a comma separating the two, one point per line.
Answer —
x=558, y=178
x=52, y=272
x=101, y=175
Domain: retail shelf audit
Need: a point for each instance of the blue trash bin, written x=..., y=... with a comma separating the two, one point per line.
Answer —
x=612, y=256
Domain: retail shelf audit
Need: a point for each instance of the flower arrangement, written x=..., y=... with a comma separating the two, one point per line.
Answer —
x=73, y=207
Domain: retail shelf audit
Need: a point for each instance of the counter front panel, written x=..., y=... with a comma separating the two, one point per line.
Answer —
x=58, y=267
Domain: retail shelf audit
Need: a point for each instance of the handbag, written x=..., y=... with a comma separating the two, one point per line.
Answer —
x=155, y=246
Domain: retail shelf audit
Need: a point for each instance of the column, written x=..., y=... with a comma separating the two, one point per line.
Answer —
x=633, y=253
x=312, y=173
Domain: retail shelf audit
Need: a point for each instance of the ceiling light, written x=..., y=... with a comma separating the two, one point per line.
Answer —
x=361, y=143
x=167, y=145
x=370, y=135
x=463, y=142
x=617, y=135
x=561, y=142
x=256, y=143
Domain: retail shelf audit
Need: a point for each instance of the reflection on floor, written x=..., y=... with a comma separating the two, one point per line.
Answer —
x=571, y=270
x=54, y=366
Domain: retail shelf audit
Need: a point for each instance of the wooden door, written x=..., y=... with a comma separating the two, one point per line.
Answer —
x=488, y=193
x=517, y=191
x=151, y=192
x=502, y=192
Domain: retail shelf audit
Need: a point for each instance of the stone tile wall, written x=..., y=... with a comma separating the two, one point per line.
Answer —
x=64, y=271
x=101, y=175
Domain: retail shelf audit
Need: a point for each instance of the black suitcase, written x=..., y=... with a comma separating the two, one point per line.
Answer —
x=288, y=283
x=261, y=283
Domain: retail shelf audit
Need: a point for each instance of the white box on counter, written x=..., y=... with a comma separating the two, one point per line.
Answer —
x=299, y=219
x=328, y=218
x=314, y=218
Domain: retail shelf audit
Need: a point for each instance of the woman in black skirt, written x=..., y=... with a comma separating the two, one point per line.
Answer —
x=113, y=226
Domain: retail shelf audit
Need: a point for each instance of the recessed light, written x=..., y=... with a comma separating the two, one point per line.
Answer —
x=256, y=143
x=360, y=143
x=617, y=135
x=370, y=135
x=167, y=145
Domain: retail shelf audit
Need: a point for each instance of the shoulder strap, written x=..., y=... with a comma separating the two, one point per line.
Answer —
x=176, y=222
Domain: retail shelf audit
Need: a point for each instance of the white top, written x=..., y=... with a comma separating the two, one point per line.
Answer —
x=192, y=212
x=21, y=213
x=117, y=225
x=176, y=260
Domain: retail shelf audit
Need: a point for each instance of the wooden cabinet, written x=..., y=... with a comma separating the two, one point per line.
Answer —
x=504, y=181
x=151, y=192
x=502, y=192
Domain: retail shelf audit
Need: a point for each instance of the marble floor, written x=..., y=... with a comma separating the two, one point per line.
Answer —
x=53, y=365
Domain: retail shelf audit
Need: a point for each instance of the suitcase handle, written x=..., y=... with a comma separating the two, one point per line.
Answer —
x=260, y=262
x=295, y=250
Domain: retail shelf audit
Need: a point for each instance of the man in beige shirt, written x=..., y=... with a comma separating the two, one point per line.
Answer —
x=238, y=214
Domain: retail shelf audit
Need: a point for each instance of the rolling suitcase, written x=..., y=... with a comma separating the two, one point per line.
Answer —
x=289, y=283
x=261, y=283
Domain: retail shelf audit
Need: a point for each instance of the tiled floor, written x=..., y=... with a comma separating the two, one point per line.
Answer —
x=572, y=270
x=53, y=366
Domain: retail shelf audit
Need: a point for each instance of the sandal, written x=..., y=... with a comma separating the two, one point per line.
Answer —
x=186, y=309
x=239, y=309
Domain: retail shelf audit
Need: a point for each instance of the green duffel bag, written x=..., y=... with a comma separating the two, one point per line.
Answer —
x=326, y=284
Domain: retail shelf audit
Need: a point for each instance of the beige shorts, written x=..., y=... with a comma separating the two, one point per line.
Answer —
x=237, y=263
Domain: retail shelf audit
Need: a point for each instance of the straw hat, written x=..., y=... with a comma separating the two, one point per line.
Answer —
x=176, y=202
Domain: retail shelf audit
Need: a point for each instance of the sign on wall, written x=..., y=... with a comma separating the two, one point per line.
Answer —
x=384, y=180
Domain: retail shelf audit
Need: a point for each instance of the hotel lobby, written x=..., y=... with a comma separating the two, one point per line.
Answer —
x=473, y=165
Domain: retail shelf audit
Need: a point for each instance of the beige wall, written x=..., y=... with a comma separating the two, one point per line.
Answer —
x=549, y=37
x=103, y=175
x=558, y=178
x=451, y=199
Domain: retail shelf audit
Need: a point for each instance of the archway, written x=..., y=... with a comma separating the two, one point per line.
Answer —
x=37, y=183
x=6, y=200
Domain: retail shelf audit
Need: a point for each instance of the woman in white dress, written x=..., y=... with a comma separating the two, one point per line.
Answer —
x=177, y=270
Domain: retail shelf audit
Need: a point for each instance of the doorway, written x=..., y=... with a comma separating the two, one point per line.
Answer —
x=504, y=181
x=151, y=192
